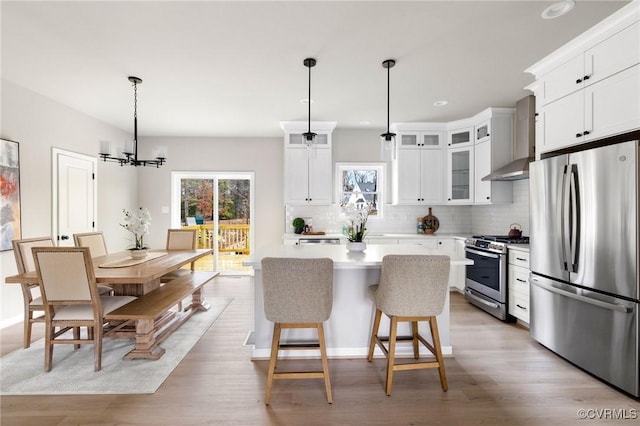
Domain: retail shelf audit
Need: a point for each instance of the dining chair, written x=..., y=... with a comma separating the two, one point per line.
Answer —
x=71, y=299
x=98, y=247
x=32, y=300
x=180, y=239
x=94, y=240
x=412, y=288
x=298, y=293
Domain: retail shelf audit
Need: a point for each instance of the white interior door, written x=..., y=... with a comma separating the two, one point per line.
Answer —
x=74, y=195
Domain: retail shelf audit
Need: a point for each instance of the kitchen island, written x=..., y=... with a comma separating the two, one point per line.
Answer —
x=348, y=329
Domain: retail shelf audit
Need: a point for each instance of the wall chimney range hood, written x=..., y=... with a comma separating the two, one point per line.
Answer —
x=524, y=143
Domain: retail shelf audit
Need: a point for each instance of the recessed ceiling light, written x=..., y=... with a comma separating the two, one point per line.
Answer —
x=558, y=9
x=440, y=103
x=305, y=101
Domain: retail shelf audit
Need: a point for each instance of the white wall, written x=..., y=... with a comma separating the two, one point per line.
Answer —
x=39, y=124
x=263, y=156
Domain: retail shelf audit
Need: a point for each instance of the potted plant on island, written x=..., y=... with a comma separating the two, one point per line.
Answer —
x=298, y=225
x=355, y=230
x=138, y=224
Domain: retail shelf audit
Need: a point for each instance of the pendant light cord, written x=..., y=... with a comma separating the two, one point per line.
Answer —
x=388, y=64
x=309, y=135
x=135, y=121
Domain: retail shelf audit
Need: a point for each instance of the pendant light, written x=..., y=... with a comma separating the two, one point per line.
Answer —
x=388, y=139
x=309, y=136
x=131, y=152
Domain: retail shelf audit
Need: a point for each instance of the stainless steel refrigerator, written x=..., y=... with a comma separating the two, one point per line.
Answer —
x=584, y=260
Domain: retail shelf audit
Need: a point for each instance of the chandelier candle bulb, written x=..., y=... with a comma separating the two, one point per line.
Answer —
x=106, y=148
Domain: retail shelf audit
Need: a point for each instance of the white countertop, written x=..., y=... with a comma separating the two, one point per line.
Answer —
x=343, y=259
x=397, y=235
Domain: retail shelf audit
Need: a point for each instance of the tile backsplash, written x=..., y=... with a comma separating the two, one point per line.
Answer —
x=492, y=219
x=495, y=219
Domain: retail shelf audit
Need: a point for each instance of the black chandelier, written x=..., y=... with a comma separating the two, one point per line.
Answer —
x=309, y=135
x=131, y=153
x=388, y=138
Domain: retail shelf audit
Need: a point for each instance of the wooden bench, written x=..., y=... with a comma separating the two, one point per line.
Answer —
x=154, y=321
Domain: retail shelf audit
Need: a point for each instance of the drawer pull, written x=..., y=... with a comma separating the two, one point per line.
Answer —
x=521, y=307
x=521, y=259
x=521, y=280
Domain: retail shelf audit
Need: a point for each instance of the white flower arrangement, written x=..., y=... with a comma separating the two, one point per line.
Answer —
x=138, y=224
x=357, y=215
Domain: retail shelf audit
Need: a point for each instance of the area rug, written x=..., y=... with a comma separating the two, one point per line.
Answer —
x=22, y=371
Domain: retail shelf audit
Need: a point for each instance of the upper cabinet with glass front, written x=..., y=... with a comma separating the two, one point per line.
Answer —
x=308, y=167
x=460, y=134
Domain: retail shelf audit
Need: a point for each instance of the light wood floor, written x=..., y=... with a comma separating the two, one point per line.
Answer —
x=498, y=376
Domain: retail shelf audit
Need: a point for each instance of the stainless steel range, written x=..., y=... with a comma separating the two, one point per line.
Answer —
x=486, y=280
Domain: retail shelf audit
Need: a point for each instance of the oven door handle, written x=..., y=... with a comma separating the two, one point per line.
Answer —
x=483, y=253
x=477, y=299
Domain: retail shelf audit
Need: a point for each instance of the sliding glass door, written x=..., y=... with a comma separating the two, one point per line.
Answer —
x=219, y=206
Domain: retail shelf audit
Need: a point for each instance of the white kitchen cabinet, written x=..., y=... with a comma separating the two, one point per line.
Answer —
x=308, y=167
x=518, y=283
x=606, y=58
x=607, y=108
x=418, y=169
x=492, y=150
x=460, y=177
x=461, y=136
x=589, y=88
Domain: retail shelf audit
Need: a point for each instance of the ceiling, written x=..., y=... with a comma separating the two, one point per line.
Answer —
x=235, y=68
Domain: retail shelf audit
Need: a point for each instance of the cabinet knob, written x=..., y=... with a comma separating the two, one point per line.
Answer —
x=449, y=199
x=488, y=198
x=586, y=132
x=578, y=135
x=578, y=81
x=586, y=77
x=64, y=237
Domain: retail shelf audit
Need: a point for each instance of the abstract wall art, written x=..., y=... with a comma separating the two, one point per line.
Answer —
x=10, y=226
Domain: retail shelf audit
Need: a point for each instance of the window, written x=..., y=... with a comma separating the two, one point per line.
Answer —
x=360, y=183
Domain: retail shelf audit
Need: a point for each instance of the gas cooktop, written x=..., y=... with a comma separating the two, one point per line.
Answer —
x=503, y=239
x=494, y=243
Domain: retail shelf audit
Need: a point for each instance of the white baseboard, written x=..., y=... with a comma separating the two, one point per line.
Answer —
x=10, y=321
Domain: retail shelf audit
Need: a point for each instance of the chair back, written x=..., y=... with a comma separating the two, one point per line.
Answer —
x=66, y=275
x=24, y=256
x=297, y=290
x=413, y=285
x=94, y=240
x=181, y=239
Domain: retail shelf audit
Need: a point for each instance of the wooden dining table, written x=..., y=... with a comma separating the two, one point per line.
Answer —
x=133, y=280
x=131, y=277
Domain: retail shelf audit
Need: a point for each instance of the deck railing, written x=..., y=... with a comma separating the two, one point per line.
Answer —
x=232, y=237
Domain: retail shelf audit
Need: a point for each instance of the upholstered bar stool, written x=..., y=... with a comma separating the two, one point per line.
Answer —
x=412, y=288
x=298, y=293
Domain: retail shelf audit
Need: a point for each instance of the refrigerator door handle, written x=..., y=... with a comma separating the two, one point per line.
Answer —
x=564, y=218
x=574, y=238
x=611, y=306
